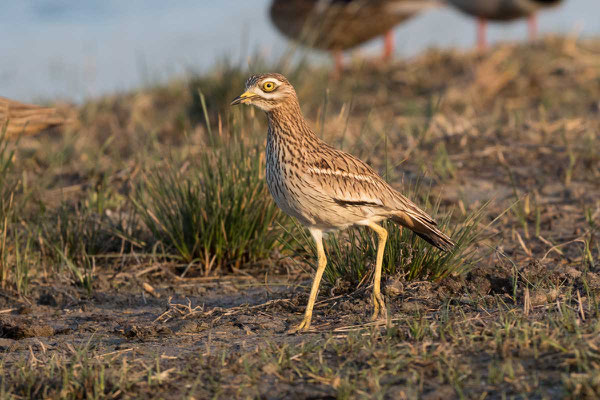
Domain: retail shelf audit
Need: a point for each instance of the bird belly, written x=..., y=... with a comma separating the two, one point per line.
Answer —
x=298, y=199
x=499, y=10
x=295, y=197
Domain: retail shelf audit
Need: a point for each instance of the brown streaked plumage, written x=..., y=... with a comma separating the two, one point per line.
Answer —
x=18, y=119
x=502, y=10
x=338, y=25
x=325, y=188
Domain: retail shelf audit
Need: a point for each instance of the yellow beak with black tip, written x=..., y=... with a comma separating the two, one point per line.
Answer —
x=243, y=98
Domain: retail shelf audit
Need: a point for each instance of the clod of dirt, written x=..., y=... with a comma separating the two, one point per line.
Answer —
x=478, y=281
x=394, y=287
x=66, y=329
x=26, y=309
x=270, y=368
x=411, y=306
x=536, y=271
x=19, y=328
x=340, y=286
x=187, y=326
x=144, y=333
x=421, y=289
x=593, y=280
x=500, y=285
x=49, y=299
x=7, y=344
x=449, y=286
x=543, y=296
x=351, y=306
x=440, y=393
x=572, y=272
x=262, y=321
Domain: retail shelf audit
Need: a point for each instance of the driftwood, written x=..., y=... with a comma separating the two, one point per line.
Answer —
x=18, y=119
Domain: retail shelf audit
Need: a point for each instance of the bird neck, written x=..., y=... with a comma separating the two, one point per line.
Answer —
x=287, y=122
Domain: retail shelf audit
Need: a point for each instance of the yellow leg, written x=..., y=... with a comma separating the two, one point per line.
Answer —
x=314, y=291
x=378, y=303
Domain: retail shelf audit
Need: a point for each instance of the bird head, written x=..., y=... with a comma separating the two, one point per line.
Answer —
x=267, y=92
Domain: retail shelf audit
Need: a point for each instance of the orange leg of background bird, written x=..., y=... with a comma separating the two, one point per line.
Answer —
x=533, y=27
x=338, y=62
x=388, y=46
x=481, y=34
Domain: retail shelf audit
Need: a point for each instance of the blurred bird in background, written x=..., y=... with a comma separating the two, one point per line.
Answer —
x=338, y=25
x=18, y=119
x=502, y=10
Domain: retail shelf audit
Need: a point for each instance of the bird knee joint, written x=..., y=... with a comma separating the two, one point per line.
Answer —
x=322, y=262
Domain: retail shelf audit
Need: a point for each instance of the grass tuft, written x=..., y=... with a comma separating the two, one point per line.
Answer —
x=73, y=235
x=80, y=376
x=216, y=212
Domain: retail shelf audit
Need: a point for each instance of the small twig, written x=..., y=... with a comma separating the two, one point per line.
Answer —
x=525, y=248
x=146, y=270
x=549, y=243
x=581, y=312
x=553, y=248
x=526, y=302
x=268, y=289
x=41, y=345
x=115, y=352
x=32, y=360
x=148, y=288
x=559, y=308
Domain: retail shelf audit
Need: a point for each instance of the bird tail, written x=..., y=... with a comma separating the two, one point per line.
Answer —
x=424, y=226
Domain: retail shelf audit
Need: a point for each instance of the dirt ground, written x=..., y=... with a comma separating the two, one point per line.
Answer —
x=186, y=329
x=524, y=323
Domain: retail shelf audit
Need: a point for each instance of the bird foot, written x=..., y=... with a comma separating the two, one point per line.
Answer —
x=302, y=327
x=379, y=309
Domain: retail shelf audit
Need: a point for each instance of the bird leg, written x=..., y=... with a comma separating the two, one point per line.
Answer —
x=314, y=291
x=533, y=28
x=338, y=64
x=481, y=34
x=388, y=46
x=378, y=303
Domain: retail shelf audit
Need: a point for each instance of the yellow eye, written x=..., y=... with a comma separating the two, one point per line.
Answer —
x=268, y=86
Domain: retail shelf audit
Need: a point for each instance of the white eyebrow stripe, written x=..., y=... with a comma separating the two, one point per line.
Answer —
x=277, y=81
x=345, y=174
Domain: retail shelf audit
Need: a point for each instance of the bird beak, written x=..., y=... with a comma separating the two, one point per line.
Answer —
x=243, y=98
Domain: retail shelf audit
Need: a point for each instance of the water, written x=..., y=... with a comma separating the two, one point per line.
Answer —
x=79, y=49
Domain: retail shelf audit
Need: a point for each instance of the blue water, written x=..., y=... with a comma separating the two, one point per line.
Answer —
x=74, y=49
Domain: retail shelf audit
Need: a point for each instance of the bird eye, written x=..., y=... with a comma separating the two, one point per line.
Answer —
x=268, y=86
